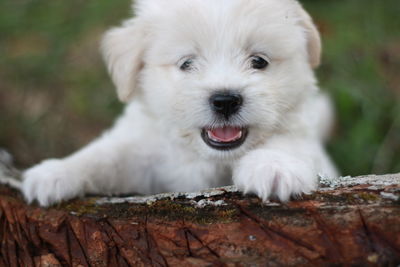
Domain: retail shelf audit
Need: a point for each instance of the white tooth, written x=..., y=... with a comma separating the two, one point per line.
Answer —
x=210, y=135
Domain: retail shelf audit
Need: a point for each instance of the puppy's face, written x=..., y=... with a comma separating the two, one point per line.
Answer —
x=220, y=75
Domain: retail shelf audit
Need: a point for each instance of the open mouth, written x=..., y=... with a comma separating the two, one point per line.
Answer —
x=224, y=138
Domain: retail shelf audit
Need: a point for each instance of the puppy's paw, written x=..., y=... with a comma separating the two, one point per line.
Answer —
x=49, y=182
x=274, y=174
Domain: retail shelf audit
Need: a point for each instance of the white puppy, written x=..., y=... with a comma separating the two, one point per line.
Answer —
x=218, y=92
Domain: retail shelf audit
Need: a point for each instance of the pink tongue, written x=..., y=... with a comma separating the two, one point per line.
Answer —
x=226, y=134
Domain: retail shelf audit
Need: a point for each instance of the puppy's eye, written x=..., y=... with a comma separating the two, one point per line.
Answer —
x=187, y=65
x=258, y=63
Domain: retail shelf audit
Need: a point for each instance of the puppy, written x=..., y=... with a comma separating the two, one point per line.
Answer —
x=217, y=92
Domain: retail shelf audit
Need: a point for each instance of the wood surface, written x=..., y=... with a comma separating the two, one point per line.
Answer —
x=348, y=221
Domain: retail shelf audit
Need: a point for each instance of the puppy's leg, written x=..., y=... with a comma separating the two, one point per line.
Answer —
x=287, y=166
x=88, y=170
x=117, y=162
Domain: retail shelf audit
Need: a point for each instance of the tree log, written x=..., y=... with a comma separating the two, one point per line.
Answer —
x=349, y=221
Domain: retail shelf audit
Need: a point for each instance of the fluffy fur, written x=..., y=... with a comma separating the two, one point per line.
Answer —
x=156, y=145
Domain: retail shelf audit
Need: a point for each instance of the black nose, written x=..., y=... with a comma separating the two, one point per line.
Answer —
x=226, y=104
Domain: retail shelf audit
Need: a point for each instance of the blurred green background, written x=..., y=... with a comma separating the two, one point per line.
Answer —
x=55, y=94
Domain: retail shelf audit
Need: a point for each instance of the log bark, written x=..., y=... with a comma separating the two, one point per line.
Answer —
x=351, y=221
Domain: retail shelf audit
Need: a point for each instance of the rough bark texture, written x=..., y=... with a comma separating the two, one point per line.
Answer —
x=353, y=221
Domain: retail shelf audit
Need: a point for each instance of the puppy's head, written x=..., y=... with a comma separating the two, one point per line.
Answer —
x=222, y=75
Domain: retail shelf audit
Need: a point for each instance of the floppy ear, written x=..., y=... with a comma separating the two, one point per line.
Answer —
x=123, y=49
x=313, y=38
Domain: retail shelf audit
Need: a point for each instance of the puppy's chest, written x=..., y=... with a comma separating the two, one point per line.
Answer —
x=180, y=174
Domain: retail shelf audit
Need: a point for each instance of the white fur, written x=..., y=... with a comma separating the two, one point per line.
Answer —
x=156, y=145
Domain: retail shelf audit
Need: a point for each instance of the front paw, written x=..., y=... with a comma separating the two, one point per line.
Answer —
x=274, y=174
x=49, y=182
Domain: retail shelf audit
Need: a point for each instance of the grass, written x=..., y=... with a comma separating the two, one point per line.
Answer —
x=360, y=69
x=55, y=94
